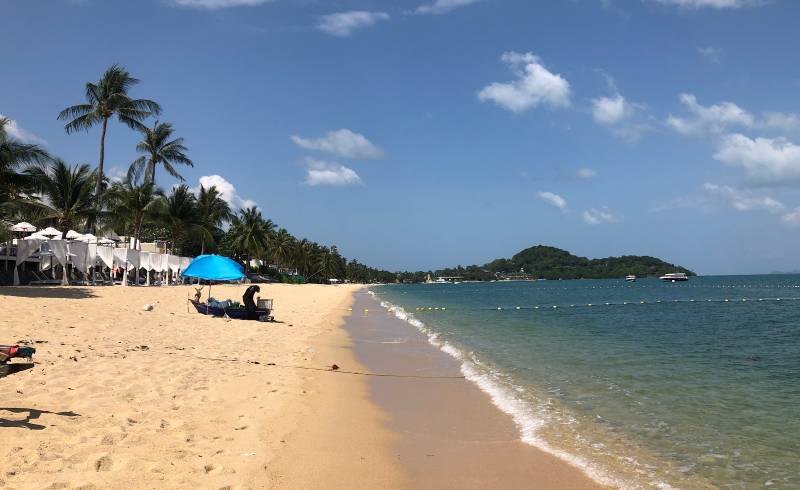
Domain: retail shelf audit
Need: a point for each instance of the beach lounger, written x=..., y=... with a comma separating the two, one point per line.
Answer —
x=42, y=280
x=9, y=352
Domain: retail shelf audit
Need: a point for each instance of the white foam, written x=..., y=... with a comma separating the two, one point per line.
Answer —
x=503, y=397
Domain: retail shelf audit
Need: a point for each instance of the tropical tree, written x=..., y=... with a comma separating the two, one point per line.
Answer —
x=177, y=212
x=105, y=99
x=249, y=234
x=66, y=197
x=16, y=156
x=303, y=256
x=159, y=149
x=131, y=205
x=281, y=247
x=213, y=212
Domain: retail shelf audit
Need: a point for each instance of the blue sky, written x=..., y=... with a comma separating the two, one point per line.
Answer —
x=420, y=134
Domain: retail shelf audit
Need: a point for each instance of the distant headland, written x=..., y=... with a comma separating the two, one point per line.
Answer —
x=543, y=262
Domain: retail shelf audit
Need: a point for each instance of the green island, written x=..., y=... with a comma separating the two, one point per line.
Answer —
x=543, y=262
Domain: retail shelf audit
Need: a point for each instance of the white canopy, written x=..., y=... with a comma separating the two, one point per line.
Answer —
x=79, y=252
x=25, y=248
x=144, y=261
x=106, y=254
x=88, y=238
x=91, y=255
x=23, y=227
x=73, y=235
x=36, y=236
x=51, y=232
x=133, y=258
x=174, y=262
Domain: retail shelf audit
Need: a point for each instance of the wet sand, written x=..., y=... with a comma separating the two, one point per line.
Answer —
x=450, y=435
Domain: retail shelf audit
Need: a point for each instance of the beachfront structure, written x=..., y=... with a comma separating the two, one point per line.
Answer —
x=34, y=260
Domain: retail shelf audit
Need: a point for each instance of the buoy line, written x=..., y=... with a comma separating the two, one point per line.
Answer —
x=430, y=309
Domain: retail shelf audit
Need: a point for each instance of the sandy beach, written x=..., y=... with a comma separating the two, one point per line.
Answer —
x=126, y=398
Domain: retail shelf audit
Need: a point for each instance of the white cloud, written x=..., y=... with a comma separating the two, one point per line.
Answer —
x=14, y=130
x=598, y=216
x=717, y=118
x=535, y=85
x=553, y=199
x=343, y=143
x=744, y=200
x=611, y=110
x=116, y=174
x=766, y=160
x=780, y=121
x=343, y=24
x=792, y=218
x=718, y=4
x=443, y=6
x=711, y=53
x=586, y=173
x=226, y=191
x=713, y=118
x=329, y=173
x=217, y=4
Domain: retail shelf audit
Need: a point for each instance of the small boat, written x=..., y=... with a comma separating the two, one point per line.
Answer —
x=630, y=278
x=674, y=277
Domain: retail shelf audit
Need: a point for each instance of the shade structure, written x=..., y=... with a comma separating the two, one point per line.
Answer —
x=51, y=232
x=214, y=268
x=23, y=227
x=73, y=235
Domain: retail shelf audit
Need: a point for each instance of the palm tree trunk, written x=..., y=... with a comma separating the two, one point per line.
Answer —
x=153, y=175
x=99, y=184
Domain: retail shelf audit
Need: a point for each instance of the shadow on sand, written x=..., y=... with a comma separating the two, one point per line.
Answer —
x=64, y=292
x=32, y=414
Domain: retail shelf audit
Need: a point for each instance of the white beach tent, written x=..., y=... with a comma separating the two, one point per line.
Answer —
x=144, y=263
x=91, y=257
x=78, y=253
x=174, y=264
x=134, y=262
x=59, y=251
x=121, y=260
x=73, y=235
x=25, y=248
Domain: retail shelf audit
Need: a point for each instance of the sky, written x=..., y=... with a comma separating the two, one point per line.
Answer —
x=420, y=134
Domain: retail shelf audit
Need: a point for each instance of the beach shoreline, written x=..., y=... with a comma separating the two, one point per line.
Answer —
x=121, y=396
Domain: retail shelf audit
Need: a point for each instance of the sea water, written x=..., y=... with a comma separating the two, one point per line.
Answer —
x=646, y=384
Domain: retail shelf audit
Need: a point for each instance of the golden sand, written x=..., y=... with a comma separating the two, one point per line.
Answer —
x=126, y=398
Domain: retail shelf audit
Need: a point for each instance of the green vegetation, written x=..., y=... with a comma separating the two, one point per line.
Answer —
x=45, y=191
x=542, y=262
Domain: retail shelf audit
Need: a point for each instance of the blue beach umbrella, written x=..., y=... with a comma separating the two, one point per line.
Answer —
x=214, y=268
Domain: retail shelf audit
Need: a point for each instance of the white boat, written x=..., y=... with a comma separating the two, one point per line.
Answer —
x=674, y=277
x=630, y=278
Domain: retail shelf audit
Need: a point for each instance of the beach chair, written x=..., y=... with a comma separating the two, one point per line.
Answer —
x=42, y=280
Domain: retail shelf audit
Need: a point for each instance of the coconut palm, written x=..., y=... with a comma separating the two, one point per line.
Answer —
x=15, y=156
x=105, y=99
x=177, y=212
x=131, y=205
x=249, y=234
x=158, y=148
x=281, y=247
x=303, y=256
x=213, y=212
x=66, y=194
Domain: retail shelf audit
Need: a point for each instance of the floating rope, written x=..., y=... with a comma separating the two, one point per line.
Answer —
x=429, y=309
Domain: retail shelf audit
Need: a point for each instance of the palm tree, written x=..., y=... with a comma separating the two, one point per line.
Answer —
x=281, y=247
x=131, y=205
x=249, y=234
x=14, y=157
x=159, y=149
x=66, y=194
x=178, y=213
x=104, y=99
x=303, y=256
x=213, y=212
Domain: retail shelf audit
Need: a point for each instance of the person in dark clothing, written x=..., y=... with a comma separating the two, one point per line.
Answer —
x=249, y=304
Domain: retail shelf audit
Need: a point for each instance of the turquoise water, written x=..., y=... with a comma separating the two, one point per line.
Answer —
x=649, y=384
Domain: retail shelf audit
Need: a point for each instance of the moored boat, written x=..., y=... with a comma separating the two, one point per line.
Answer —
x=630, y=278
x=674, y=277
